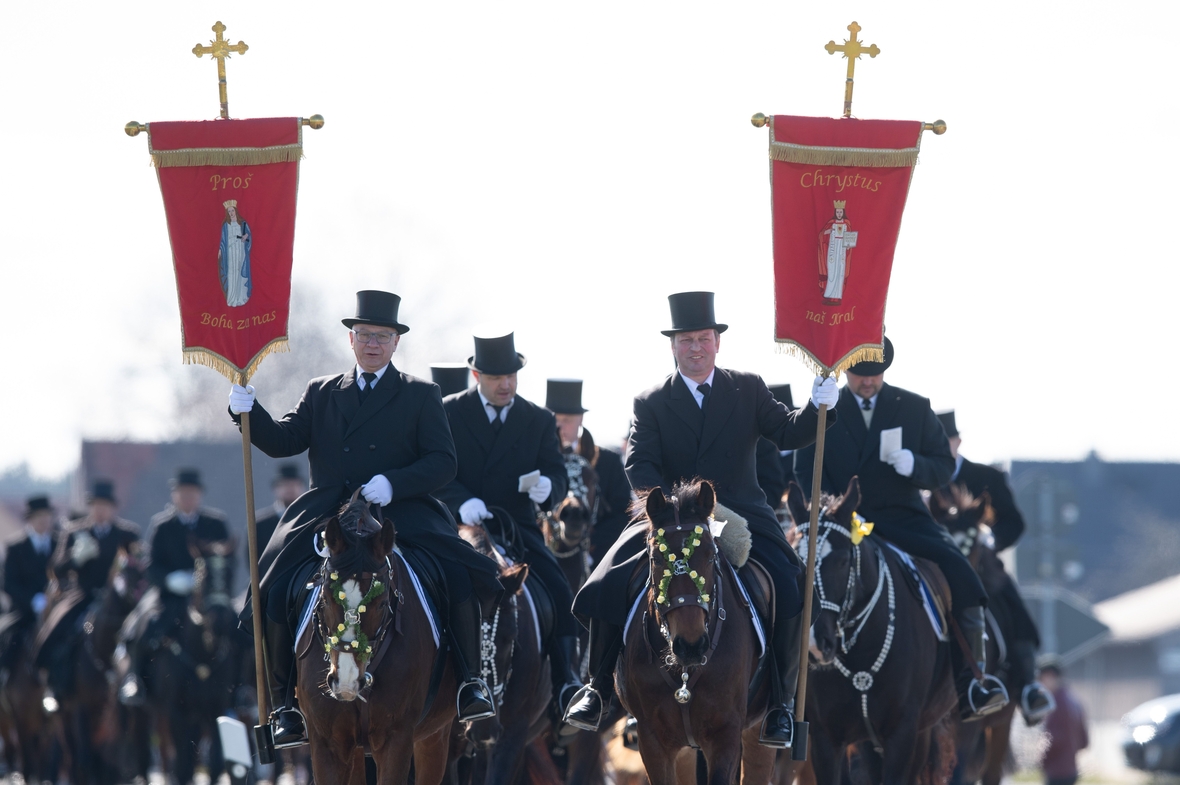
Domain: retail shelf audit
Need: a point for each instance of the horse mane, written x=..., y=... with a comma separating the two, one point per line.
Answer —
x=686, y=491
x=357, y=529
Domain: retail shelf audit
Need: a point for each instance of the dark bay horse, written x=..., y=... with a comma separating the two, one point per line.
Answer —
x=880, y=673
x=364, y=679
x=691, y=652
x=516, y=670
x=982, y=745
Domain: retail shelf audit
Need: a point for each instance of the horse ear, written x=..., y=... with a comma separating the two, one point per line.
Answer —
x=939, y=505
x=655, y=503
x=385, y=540
x=849, y=501
x=333, y=537
x=797, y=504
x=512, y=579
x=706, y=498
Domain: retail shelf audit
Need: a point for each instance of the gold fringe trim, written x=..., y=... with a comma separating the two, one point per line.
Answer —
x=842, y=156
x=201, y=356
x=227, y=156
x=863, y=353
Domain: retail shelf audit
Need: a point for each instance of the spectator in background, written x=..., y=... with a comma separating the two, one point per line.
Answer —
x=1066, y=726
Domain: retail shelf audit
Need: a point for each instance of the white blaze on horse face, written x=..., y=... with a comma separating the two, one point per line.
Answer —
x=348, y=674
x=813, y=647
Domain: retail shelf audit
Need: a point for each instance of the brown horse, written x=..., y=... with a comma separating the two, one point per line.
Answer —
x=691, y=654
x=516, y=670
x=982, y=745
x=880, y=673
x=365, y=667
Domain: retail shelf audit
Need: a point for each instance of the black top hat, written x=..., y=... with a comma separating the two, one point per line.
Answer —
x=692, y=311
x=102, y=490
x=187, y=477
x=377, y=308
x=450, y=377
x=36, y=504
x=872, y=369
x=564, y=396
x=782, y=394
x=948, y=422
x=496, y=356
x=287, y=471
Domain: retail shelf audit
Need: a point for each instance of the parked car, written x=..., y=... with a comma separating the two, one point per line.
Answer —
x=1153, y=735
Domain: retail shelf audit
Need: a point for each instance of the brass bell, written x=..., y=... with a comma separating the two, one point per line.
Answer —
x=683, y=695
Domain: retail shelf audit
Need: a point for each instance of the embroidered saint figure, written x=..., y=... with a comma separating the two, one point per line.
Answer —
x=233, y=256
x=836, y=242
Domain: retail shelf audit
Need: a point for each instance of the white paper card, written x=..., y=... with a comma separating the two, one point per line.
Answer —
x=527, y=481
x=890, y=441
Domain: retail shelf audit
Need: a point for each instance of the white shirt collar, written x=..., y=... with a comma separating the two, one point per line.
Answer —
x=491, y=411
x=41, y=542
x=188, y=519
x=692, y=385
x=361, y=379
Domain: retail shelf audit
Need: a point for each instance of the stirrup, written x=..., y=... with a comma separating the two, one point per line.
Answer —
x=989, y=685
x=1032, y=717
x=781, y=744
x=299, y=742
x=481, y=688
x=585, y=694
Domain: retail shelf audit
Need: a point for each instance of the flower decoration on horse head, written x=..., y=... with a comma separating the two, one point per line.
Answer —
x=678, y=564
x=860, y=528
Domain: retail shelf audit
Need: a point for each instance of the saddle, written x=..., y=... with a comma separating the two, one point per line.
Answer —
x=928, y=586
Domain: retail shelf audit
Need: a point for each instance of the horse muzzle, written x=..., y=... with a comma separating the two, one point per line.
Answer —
x=822, y=649
x=689, y=654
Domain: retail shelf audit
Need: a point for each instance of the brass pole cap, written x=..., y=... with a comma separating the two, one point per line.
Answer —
x=759, y=120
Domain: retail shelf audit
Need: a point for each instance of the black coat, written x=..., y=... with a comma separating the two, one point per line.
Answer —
x=93, y=574
x=266, y=521
x=170, y=540
x=614, y=494
x=672, y=439
x=401, y=432
x=851, y=450
x=771, y=476
x=977, y=478
x=490, y=463
x=26, y=573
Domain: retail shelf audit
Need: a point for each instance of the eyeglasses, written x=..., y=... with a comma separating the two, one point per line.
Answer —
x=382, y=338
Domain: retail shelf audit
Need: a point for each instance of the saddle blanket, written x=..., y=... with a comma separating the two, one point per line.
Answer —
x=761, y=633
x=936, y=621
x=314, y=596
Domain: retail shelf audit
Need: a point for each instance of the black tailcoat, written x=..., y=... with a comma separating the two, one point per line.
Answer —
x=92, y=575
x=26, y=573
x=614, y=495
x=169, y=541
x=266, y=521
x=771, y=477
x=401, y=432
x=490, y=463
x=672, y=439
x=893, y=502
x=977, y=478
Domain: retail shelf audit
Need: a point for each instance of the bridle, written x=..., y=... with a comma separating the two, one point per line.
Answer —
x=559, y=544
x=366, y=651
x=489, y=650
x=847, y=617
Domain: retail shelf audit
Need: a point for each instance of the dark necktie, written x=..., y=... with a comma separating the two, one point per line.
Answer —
x=704, y=390
x=370, y=380
x=867, y=404
x=497, y=423
x=866, y=411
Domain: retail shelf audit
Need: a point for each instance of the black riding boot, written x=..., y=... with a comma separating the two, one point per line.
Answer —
x=563, y=652
x=778, y=729
x=587, y=707
x=977, y=698
x=474, y=700
x=286, y=720
x=1036, y=702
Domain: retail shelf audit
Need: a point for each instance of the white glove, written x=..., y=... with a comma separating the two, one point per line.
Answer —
x=377, y=490
x=179, y=581
x=824, y=391
x=540, y=492
x=38, y=603
x=473, y=511
x=902, y=462
x=241, y=399
x=84, y=549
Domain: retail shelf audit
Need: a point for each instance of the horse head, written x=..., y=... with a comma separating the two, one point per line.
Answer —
x=684, y=567
x=354, y=607
x=499, y=632
x=837, y=560
x=573, y=519
x=968, y=519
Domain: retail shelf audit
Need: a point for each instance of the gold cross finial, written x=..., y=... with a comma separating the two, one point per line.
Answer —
x=220, y=49
x=852, y=49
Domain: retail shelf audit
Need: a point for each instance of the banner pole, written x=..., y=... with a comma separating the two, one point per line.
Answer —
x=261, y=675
x=799, y=751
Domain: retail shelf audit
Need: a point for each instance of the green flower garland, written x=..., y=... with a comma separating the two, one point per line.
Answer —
x=362, y=649
x=686, y=552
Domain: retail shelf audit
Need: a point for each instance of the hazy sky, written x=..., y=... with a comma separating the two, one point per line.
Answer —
x=562, y=167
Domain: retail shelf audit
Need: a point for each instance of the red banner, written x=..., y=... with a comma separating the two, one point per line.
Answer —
x=229, y=191
x=838, y=190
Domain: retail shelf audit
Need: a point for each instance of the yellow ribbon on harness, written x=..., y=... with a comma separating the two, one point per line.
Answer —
x=860, y=528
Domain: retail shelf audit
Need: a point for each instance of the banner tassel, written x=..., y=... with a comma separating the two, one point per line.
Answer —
x=198, y=356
